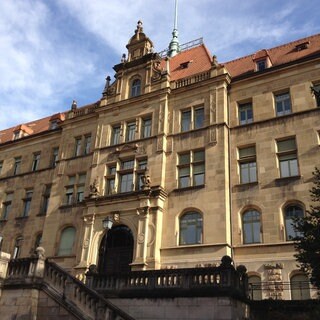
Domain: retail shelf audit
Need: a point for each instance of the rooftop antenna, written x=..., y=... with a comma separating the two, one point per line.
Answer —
x=174, y=47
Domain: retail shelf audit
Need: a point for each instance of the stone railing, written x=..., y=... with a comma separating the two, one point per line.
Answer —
x=78, y=293
x=190, y=80
x=82, y=111
x=212, y=281
x=69, y=292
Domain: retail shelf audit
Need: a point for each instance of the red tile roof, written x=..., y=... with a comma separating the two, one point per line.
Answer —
x=279, y=55
x=198, y=60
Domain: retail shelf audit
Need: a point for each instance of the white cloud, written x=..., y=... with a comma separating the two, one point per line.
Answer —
x=54, y=51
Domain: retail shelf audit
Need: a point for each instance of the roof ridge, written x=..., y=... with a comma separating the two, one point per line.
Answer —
x=273, y=48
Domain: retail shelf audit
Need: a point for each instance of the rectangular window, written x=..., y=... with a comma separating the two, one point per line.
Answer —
x=70, y=190
x=287, y=157
x=80, y=187
x=192, y=118
x=245, y=113
x=45, y=199
x=248, y=165
x=115, y=138
x=198, y=118
x=186, y=120
x=126, y=182
x=110, y=180
x=146, y=128
x=261, y=65
x=6, y=205
x=283, y=104
x=27, y=203
x=35, y=162
x=77, y=147
x=1, y=166
x=87, y=144
x=130, y=131
x=17, y=165
x=54, y=157
x=191, y=169
x=126, y=178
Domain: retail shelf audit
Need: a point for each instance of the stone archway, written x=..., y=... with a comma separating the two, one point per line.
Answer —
x=116, y=250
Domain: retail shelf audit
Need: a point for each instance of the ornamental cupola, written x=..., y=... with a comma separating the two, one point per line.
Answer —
x=139, y=45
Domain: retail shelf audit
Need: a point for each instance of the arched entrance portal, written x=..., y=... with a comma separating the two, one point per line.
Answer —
x=116, y=250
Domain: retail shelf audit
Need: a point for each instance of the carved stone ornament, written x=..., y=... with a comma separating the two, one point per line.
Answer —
x=94, y=191
x=146, y=181
x=156, y=70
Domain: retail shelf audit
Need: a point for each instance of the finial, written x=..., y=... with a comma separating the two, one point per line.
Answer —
x=74, y=105
x=174, y=47
x=107, y=85
x=139, y=27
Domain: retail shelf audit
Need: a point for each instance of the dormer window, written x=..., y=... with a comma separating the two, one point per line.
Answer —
x=136, y=88
x=261, y=65
x=262, y=60
x=302, y=46
x=185, y=64
x=16, y=135
x=53, y=124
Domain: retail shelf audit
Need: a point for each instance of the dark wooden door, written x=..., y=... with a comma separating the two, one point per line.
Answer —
x=116, y=250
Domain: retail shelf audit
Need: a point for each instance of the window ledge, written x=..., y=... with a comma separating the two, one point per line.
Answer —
x=288, y=179
x=41, y=214
x=201, y=186
x=69, y=206
x=22, y=218
x=248, y=184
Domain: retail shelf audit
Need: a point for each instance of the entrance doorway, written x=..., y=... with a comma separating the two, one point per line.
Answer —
x=116, y=250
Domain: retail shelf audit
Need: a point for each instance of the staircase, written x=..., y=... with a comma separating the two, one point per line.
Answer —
x=65, y=297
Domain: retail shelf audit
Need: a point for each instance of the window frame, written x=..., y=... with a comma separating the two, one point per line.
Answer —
x=36, y=161
x=77, y=146
x=75, y=189
x=27, y=203
x=7, y=206
x=131, y=127
x=187, y=170
x=289, y=220
x=288, y=157
x=254, y=233
x=45, y=199
x=195, y=220
x=115, y=134
x=87, y=144
x=17, y=165
x=69, y=250
x=135, y=88
x=146, y=130
x=245, y=108
x=280, y=100
x=244, y=163
x=190, y=122
x=54, y=157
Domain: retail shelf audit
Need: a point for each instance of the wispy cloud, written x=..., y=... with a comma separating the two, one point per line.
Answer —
x=54, y=51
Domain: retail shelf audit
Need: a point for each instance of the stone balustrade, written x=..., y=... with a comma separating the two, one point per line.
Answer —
x=212, y=281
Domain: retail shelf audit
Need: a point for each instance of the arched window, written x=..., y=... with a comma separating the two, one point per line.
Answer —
x=17, y=247
x=291, y=212
x=251, y=225
x=255, y=289
x=135, y=88
x=66, y=241
x=300, y=289
x=190, y=228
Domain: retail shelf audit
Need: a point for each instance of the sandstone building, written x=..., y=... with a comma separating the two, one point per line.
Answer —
x=189, y=158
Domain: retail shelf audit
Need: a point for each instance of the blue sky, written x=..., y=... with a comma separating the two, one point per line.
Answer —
x=54, y=51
